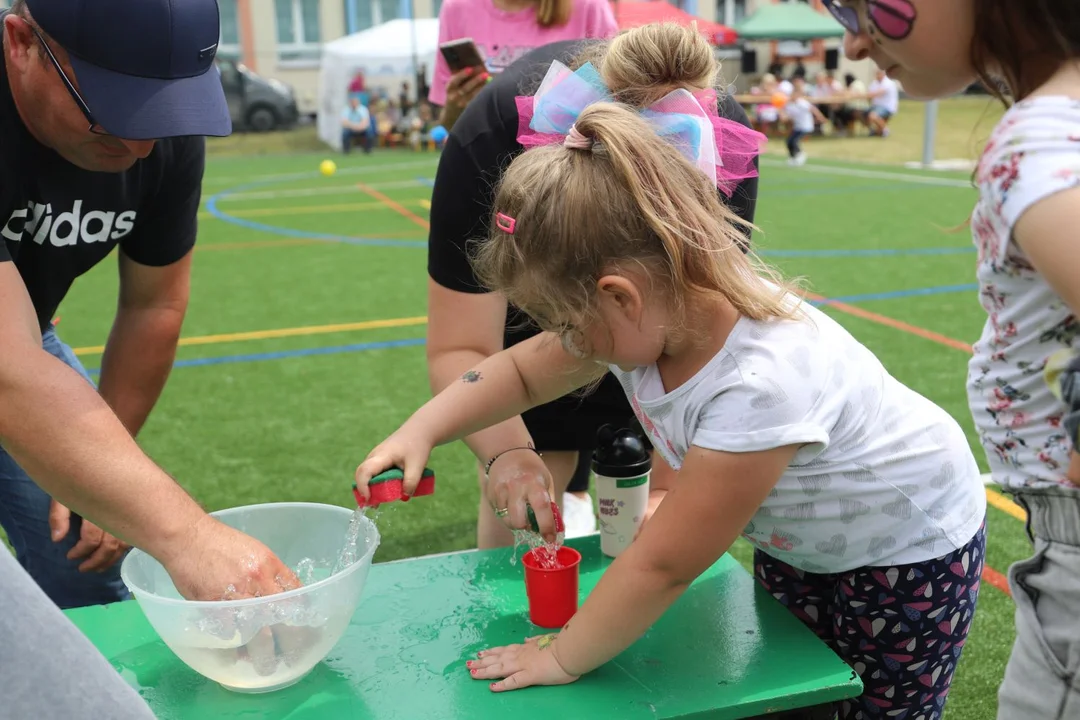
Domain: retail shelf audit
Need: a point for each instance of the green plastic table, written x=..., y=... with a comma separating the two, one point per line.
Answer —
x=725, y=650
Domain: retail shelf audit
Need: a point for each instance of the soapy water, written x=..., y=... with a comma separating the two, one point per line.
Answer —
x=270, y=645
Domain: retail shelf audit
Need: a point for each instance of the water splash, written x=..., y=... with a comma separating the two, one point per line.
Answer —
x=350, y=550
x=305, y=571
x=546, y=553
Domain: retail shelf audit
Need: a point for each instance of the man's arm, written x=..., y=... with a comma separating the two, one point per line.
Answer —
x=64, y=435
x=68, y=440
x=142, y=344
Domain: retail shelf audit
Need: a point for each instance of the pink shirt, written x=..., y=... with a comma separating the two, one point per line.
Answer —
x=503, y=36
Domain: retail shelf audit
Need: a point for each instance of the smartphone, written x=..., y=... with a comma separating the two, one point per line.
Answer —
x=462, y=53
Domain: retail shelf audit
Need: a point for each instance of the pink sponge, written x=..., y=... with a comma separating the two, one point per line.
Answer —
x=387, y=487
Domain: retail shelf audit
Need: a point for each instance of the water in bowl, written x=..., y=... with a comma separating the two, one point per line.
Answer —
x=268, y=647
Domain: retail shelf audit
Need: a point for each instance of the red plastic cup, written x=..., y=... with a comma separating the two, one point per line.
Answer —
x=552, y=593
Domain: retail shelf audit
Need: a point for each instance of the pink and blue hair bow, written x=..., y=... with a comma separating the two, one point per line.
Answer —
x=722, y=149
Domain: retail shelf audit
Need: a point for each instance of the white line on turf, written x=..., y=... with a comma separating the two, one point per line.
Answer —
x=875, y=174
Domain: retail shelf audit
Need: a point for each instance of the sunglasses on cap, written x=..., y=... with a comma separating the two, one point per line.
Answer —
x=892, y=18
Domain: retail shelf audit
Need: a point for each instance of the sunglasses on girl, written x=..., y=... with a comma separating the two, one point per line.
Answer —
x=892, y=18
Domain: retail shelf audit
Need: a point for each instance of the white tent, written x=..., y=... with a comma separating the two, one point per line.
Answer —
x=387, y=54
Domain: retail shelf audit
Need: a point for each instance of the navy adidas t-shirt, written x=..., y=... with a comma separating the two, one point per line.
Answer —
x=58, y=221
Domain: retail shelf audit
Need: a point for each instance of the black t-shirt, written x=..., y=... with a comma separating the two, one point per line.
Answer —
x=58, y=221
x=480, y=147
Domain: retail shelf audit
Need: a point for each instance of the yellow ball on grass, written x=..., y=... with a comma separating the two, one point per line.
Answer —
x=328, y=167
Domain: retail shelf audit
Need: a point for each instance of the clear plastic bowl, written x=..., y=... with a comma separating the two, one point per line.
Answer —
x=267, y=643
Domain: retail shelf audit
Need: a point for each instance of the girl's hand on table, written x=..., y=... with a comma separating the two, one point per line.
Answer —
x=520, y=666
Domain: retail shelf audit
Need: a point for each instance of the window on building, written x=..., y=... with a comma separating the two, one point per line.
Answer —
x=730, y=12
x=298, y=31
x=370, y=13
x=387, y=10
x=229, y=42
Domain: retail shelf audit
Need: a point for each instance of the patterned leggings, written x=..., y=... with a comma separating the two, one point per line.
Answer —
x=901, y=628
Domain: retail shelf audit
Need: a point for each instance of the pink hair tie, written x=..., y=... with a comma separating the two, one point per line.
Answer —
x=576, y=141
x=505, y=223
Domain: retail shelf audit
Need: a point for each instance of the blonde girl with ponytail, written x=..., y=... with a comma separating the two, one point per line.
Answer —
x=784, y=430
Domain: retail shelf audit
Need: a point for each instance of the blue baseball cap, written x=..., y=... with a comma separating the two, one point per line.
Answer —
x=144, y=67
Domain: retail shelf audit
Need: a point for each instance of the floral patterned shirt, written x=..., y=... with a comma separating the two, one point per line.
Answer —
x=1033, y=153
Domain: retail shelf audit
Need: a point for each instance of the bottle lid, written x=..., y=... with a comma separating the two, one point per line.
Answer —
x=620, y=452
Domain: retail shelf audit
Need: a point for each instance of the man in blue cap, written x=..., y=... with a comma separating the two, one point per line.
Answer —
x=103, y=109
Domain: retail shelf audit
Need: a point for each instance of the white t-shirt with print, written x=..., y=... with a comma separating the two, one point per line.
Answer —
x=801, y=114
x=1033, y=154
x=884, y=477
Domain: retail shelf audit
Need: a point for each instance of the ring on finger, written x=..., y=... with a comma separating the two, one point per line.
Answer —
x=502, y=512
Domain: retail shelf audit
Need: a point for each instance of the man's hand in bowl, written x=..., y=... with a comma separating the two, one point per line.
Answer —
x=217, y=562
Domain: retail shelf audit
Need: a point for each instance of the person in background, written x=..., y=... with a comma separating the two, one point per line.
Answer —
x=405, y=100
x=504, y=30
x=422, y=87
x=355, y=125
x=825, y=86
x=358, y=88
x=421, y=121
x=767, y=114
x=855, y=109
x=786, y=86
x=802, y=115
x=884, y=103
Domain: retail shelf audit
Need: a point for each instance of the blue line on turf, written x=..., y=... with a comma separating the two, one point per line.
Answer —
x=896, y=294
x=285, y=354
x=413, y=342
x=212, y=208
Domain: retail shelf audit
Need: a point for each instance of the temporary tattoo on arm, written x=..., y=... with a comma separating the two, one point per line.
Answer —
x=472, y=376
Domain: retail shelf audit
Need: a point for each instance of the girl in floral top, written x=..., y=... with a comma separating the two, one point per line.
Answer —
x=1026, y=228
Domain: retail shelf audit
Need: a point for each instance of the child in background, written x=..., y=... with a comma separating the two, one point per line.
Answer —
x=802, y=115
x=1025, y=230
x=861, y=497
x=766, y=114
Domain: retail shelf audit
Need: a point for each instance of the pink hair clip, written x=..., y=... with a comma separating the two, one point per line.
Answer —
x=505, y=223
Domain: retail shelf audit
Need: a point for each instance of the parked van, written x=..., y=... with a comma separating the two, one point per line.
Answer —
x=256, y=103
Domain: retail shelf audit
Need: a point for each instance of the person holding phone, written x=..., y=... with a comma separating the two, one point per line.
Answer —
x=480, y=38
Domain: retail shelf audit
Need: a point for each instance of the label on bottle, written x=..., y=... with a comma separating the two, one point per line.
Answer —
x=631, y=482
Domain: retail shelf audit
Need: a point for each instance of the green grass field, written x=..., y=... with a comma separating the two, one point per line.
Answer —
x=287, y=411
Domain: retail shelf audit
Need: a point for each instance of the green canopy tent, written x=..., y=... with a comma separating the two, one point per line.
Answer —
x=798, y=21
x=788, y=21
